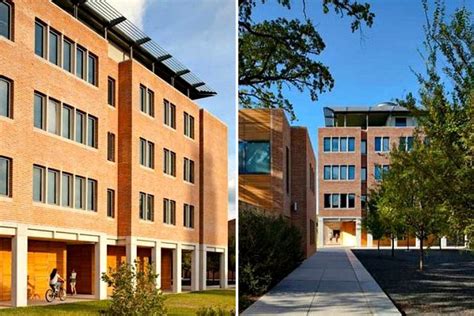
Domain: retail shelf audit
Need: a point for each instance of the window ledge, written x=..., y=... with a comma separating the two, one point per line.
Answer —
x=6, y=119
x=67, y=140
x=4, y=198
x=143, y=167
x=147, y=222
x=169, y=127
x=63, y=208
x=169, y=176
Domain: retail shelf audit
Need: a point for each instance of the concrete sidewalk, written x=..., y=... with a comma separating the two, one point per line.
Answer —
x=331, y=282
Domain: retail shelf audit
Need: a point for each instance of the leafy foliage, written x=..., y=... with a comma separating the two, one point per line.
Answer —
x=281, y=53
x=134, y=292
x=214, y=311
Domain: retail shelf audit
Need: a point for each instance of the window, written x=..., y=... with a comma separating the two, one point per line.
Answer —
x=91, y=195
x=169, y=212
x=169, y=162
x=169, y=114
x=342, y=200
x=147, y=153
x=363, y=201
x=335, y=144
x=110, y=146
x=188, y=170
x=351, y=175
x=343, y=172
x=80, y=127
x=143, y=98
x=335, y=201
x=147, y=101
x=382, y=144
x=151, y=103
x=287, y=170
x=67, y=55
x=5, y=19
x=5, y=97
x=53, y=187
x=54, y=47
x=343, y=143
x=255, y=157
x=380, y=170
x=327, y=200
x=327, y=144
x=188, y=216
x=91, y=131
x=111, y=92
x=401, y=121
x=92, y=69
x=351, y=144
x=147, y=206
x=363, y=147
x=188, y=125
x=363, y=174
x=38, y=183
x=39, y=39
x=110, y=203
x=53, y=116
x=79, y=188
x=386, y=144
x=406, y=143
x=351, y=200
x=335, y=172
x=80, y=63
x=66, y=190
x=327, y=172
x=5, y=176
x=68, y=114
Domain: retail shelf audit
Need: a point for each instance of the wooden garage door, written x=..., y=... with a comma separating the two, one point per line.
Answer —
x=166, y=268
x=5, y=268
x=81, y=259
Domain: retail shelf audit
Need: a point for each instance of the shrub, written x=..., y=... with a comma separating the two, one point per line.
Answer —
x=470, y=236
x=214, y=311
x=134, y=292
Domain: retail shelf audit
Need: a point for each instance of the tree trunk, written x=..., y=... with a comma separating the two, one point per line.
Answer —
x=393, y=245
x=408, y=241
x=378, y=245
x=440, y=244
x=422, y=254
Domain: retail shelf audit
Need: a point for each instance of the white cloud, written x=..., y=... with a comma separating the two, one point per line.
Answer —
x=133, y=10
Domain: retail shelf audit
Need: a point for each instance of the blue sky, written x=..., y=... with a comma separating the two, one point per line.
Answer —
x=202, y=35
x=369, y=67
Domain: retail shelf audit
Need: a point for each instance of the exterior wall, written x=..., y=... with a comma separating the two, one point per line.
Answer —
x=5, y=268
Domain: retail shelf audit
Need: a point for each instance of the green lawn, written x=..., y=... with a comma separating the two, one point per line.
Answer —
x=177, y=304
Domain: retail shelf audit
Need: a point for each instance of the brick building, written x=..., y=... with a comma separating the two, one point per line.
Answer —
x=104, y=155
x=277, y=169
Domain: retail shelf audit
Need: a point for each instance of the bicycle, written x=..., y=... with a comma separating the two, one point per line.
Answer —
x=51, y=294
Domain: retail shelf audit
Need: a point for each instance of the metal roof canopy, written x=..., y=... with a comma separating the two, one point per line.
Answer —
x=383, y=108
x=113, y=21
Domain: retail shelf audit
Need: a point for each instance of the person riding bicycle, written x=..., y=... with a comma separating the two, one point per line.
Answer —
x=55, y=280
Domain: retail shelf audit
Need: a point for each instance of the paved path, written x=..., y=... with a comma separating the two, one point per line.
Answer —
x=331, y=282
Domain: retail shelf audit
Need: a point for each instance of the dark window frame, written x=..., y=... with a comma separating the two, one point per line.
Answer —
x=111, y=91
x=111, y=203
x=11, y=19
x=9, y=176
x=10, y=88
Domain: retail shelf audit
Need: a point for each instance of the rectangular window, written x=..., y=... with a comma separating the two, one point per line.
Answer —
x=363, y=174
x=67, y=55
x=151, y=103
x=92, y=69
x=79, y=189
x=351, y=144
x=169, y=162
x=335, y=144
x=53, y=186
x=254, y=157
x=327, y=172
x=91, y=195
x=327, y=200
x=80, y=127
x=54, y=47
x=5, y=19
x=188, y=216
x=351, y=174
x=378, y=173
x=5, y=97
x=386, y=144
x=151, y=155
x=343, y=172
x=67, y=123
x=142, y=205
x=378, y=143
x=363, y=201
x=92, y=131
x=343, y=200
x=147, y=153
x=382, y=144
x=110, y=146
x=335, y=201
x=169, y=114
x=39, y=111
x=343, y=141
x=406, y=143
x=53, y=116
x=142, y=152
x=5, y=176
x=111, y=92
x=80, y=63
x=400, y=121
x=142, y=99
x=351, y=200
x=363, y=147
x=327, y=144
x=409, y=143
x=39, y=39
x=66, y=189
x=110, y=203
x=335, y=172
x=147, y=207
x=38, y=183
x=188, y=170
x=169, y=212
x=188, y=125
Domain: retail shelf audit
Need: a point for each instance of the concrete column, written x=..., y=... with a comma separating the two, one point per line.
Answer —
x=131, y=250
x=177, y=266
x=195, y=275
x=156, y=259
x=444, y=242
x=417, y=243
x=20, y=267
x=370, y=240
x=223, y=270
x=100, y=258
x=395, y=241
x=203, y=267
x=320, y=232
x=358, y=232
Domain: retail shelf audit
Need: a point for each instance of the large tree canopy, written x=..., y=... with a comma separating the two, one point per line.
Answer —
x=279, y=53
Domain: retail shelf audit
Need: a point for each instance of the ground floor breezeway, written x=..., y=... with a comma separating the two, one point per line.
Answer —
x=29, y=253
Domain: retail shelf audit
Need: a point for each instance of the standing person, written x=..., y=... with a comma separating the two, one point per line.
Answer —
x=55, y=280
x=72, y=280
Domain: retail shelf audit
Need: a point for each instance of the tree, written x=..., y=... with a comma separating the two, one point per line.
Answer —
x=373, y=222
x=279, y=53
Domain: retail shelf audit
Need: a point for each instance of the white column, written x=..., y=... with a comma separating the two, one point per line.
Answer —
x=395, y=241
x=203, y=267
x=131, y=250
x=223, y=269
x=156, y=259
x=320, y=241
x=20, y=267
x=100, y=267
x=444, y=242
x=370, y=240
x=358, y=232
x=177, y=266
x=195, y=275
x=417, y=243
